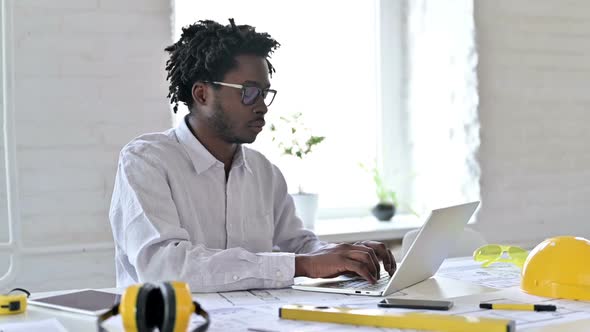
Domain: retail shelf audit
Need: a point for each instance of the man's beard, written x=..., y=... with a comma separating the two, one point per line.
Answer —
x=221, y=124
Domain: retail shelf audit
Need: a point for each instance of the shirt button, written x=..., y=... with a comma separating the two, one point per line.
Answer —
x=279, y=274
x=236, y=277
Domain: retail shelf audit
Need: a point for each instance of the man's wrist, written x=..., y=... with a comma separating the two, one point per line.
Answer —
x=300, y=262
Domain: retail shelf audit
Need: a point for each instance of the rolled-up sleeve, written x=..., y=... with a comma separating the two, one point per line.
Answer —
x=149, y=236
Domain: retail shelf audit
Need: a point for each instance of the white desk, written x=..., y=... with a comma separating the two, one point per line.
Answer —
x=437, y=287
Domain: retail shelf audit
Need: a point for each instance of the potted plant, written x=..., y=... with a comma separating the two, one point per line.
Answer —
x=295, y=140
x=387, y=198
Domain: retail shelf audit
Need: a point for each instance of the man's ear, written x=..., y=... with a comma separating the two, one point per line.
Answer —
x=200, y=93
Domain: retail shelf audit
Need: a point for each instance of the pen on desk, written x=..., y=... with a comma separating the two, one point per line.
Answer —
x=518, y=306
x=254, y=329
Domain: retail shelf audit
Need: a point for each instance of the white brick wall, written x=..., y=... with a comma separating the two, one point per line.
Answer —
x=89, y=76
x=534, y=73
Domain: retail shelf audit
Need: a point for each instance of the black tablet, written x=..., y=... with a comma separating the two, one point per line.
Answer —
x=88, y=302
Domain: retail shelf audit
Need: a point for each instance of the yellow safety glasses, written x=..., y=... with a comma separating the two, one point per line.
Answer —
x=493, y=253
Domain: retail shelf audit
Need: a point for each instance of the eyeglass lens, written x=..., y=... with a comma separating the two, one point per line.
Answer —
x=251, y=94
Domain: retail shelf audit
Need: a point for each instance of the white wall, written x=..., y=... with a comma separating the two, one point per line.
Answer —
x=534, y=74
x=89, y=76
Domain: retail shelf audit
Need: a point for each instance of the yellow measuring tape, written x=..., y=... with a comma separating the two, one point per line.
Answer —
x=15, y=303
x=382, y=318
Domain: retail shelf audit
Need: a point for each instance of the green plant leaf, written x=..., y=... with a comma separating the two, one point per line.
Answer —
x=295, y=139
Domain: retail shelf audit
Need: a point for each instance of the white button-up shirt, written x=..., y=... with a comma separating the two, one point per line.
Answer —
x=175, y=217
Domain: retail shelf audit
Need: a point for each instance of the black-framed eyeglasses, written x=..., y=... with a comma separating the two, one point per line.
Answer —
x=250, y=93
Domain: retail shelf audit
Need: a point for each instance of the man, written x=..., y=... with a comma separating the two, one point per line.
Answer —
x=194, y=204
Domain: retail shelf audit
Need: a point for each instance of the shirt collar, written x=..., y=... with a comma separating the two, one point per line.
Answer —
x=240, y=159
x=201, y=158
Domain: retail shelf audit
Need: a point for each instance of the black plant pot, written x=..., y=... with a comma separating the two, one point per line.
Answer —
x=383, y=211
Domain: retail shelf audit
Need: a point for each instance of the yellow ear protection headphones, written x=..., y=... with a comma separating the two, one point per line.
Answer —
x=167, y=306
x=14, y=304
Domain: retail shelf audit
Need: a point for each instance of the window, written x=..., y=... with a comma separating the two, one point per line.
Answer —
x=442, y=102
x=7, y=241
x=332, y=66
x=3, y=176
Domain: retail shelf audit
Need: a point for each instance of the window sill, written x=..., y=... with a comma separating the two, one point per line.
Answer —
x=365, y=228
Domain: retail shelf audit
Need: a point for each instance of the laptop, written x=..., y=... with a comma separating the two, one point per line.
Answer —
x=430, y=248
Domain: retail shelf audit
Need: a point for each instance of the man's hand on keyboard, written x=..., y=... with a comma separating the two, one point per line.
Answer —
x=383, y=254
x=361, y=258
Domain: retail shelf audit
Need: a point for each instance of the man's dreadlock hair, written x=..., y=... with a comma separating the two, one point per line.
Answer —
x=206, y=51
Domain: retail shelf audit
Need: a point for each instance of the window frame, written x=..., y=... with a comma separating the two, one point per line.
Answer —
x=393, y=156
x=13, y=246
x=393, y=135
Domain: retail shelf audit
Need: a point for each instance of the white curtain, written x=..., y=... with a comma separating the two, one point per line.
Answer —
x=442, y=102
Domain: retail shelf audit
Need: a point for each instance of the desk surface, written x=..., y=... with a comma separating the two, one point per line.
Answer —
x=460, y=279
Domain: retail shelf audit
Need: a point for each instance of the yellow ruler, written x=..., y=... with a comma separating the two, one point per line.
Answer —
x=382, y=318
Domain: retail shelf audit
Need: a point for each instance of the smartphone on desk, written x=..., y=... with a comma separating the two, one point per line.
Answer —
x=415, y=304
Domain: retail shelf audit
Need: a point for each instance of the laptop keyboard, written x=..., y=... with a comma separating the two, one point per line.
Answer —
x=362, y=284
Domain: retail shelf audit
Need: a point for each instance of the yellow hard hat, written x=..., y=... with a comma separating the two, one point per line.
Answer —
x=558, y=268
